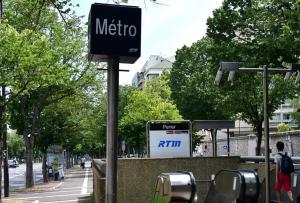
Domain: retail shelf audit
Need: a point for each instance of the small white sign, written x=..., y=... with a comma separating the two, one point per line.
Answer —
x=168, y=140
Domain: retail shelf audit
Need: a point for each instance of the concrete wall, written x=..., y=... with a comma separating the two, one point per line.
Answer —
x=99, y=181
x=137, y=177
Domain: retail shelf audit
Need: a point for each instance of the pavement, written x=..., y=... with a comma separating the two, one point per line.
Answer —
x=75, y=187
x=51, y=185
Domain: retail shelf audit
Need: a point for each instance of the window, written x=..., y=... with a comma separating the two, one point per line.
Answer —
x=276, y=117
x=286, y=116
x=151, y=76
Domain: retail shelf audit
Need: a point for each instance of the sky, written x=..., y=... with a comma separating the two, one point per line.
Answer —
x=165, y=28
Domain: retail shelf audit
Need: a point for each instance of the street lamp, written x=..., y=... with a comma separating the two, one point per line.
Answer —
x=231, y=67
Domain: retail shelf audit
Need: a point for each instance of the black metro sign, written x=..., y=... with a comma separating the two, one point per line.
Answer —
x=114, y=31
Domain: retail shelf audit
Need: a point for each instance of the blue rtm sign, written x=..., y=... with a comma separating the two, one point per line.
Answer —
x=169, y=143
x=169, y=139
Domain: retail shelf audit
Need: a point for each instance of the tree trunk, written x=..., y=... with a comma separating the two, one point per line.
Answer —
x=29, y=163
x=29, y=148
x=71, y=159
x=258, y=129
x=45, y=167
x=0, y=165
x=68, y=164
x=4, y=142
x=5, y=161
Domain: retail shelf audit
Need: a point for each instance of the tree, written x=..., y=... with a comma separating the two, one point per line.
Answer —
x=55, y=64
x=71, y=123
x=16, y=73
x=256, y=33
x=282, y=127
x=16, y=146
x=153, y=103
x=191, y=83
x=251, y=32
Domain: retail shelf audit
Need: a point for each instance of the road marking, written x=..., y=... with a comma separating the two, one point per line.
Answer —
x=76, y=190
x=41, y=197
x=51, y=192
x=85, y=183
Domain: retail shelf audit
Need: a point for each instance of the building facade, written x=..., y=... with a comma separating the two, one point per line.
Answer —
x=153, y=67
x=283, y=115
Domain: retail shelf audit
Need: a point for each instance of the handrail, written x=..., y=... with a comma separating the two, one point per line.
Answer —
x=296, y=159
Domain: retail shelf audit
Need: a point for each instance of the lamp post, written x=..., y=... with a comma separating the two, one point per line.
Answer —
x=231, y=67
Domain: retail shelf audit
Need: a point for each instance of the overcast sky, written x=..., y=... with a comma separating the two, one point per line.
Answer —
x=165, y=28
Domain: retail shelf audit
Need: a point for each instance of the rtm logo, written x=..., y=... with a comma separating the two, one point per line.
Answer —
x=169, y=143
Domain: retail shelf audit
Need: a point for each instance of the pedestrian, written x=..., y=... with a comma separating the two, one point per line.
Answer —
x=283, y=179
x=82, y=162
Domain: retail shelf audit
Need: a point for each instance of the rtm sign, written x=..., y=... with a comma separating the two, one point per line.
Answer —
x=114, y=31
x=167, y=139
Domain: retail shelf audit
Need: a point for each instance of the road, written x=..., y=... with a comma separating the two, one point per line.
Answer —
x=76, y=187
x=17, y=176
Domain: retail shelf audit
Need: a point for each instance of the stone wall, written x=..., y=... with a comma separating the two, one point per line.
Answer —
x=99, y=181
x=137, y=177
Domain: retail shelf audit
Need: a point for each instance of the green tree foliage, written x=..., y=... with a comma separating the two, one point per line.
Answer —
x=53, y=66
x=282, y=127
x=123, y=101
x=254, y=33
x=16, y=146
x=152, y=103
x=124, y=92
x=72, y=123
x=191, y=82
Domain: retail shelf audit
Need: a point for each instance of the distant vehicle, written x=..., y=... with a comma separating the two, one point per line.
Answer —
x=13, y=163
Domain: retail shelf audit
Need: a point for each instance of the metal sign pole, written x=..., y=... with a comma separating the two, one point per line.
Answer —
x=112, y=129
x=266, y=130
x=228, y=143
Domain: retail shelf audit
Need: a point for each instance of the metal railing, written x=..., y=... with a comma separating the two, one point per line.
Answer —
x=296, y=159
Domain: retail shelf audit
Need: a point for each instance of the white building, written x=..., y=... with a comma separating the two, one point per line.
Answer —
x=153, y=67
x=283, y=115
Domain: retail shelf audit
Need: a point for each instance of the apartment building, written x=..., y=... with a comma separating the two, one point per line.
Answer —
x=153, y=67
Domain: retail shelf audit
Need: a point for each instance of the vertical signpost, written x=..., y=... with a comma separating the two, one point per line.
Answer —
x=114, y=37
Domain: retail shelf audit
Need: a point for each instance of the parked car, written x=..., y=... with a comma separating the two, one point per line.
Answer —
x=13, y=163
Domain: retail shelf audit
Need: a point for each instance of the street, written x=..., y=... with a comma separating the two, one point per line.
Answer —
x=17, y=176
x=76, y=187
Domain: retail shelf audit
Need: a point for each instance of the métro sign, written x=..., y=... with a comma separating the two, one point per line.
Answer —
x=114, y=31
x=169, y=139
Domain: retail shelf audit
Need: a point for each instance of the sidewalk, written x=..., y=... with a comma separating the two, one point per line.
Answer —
x=51, y=185
x=75, y=178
